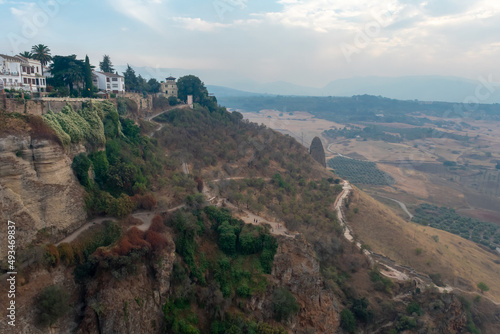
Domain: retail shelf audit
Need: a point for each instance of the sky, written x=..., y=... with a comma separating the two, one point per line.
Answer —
x=305, y=42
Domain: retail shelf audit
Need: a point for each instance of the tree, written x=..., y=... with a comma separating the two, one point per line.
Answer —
x=26, y=54
x=153, y=86
x=131, y=81
x=87, y=73
x=105, y=65
x=192, y=85
x=284, y=304
x=347, y=320
x=483, y=287
x=66, y=71
x=51, y=303
x=41, y=53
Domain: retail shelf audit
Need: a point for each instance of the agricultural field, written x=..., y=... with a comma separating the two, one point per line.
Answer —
x=446, y=219
x=360, y=172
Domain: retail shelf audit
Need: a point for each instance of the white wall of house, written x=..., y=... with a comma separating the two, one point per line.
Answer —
x=10, y=72
x=110, y=82
x=31, y=73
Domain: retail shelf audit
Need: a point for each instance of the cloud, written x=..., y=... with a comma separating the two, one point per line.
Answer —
x=148, y=12
x=197, y=24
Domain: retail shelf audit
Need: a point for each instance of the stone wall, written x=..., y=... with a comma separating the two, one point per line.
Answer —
x=40, y=107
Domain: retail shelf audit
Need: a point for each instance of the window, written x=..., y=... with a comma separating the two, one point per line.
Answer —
x=115, y=79
x=25, y=80
x=115, y=85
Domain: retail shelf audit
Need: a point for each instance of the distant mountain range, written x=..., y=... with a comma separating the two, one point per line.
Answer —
x=423, y=88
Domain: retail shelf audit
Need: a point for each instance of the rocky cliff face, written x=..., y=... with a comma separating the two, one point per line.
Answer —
x=38, y=190
x=132, y=304
x=317, y=151
x=295, y=268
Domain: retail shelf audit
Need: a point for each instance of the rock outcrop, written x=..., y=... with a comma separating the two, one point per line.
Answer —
x=132, y=304
x=296, y=268
x=38, y=190
x=317, y=151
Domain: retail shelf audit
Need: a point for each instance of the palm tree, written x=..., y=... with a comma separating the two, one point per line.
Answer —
x=41, y=53
x=26, y=54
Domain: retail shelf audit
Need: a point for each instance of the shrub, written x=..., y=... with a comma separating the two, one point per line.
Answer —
x=347, y=321
x=361, y=311
x=483, y=287
x=414, y=307
x=405, y=323
x=157, y=224
x=284, y=304
x=81, y=164
x=52, y=255
x=66, y=253
x=157, y=240
x=51, y=303
x=144, y=202
x=243, y=291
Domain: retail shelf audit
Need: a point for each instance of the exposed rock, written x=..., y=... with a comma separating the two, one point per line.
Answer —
x=295, y=267
x=132, y=304
x=38, y=189
x=317, y=151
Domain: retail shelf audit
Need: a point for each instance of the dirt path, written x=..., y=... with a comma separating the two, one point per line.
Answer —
x=401, y=204
x=146, y=217
x=160, y=125
x=387, y=270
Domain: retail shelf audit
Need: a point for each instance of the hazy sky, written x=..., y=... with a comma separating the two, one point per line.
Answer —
x=303, y=42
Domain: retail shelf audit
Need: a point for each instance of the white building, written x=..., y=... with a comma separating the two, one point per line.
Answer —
x=10, y=72
x=109, y=82
x=31, y=74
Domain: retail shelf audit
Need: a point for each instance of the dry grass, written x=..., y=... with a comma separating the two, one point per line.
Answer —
x=459, y=261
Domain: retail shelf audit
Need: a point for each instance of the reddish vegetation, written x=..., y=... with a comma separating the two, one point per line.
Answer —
x=66, y=253
x=145, y=202
x=157, y=225
x=157, y=240
x=199, y=184
x=53, y=254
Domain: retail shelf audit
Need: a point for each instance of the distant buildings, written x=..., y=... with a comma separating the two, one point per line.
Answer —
x=21, y=73
x=169, y=87
x=108, y=82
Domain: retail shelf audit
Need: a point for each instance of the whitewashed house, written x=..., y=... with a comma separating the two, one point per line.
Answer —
x=31, y=73
x=10, y=72
x=109, y=82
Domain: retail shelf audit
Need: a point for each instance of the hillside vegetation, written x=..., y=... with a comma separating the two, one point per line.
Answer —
x=459, y=262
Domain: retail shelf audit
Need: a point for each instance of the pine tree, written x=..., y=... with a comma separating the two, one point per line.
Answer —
x=88, y=78
x=105, y=65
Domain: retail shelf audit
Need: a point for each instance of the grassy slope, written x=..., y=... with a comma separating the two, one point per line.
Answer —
x=453, y=257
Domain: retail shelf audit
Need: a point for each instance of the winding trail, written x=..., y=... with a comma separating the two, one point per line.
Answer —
x=389, y=266
x=401, y=204
x=146, y=217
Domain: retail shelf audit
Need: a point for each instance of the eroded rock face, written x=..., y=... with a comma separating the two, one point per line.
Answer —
x=317, y=151
x=295, y=268
x=38, y=189
x=132, y=304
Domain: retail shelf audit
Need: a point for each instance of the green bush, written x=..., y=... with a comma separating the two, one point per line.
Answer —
x=414, y=307
x=81, y=164
x=284, y=304
x=51, y=304
x=347, y=321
